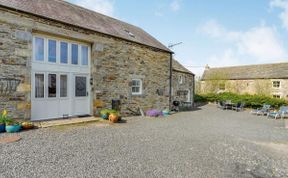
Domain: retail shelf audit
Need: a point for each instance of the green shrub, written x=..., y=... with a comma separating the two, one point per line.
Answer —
x=253, y=101
x=108, y=111
x=199, y=98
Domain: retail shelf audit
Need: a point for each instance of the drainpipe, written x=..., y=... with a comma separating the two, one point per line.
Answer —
x=193, y=98
x=170, y=81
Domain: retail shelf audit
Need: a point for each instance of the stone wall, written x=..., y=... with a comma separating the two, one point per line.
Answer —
x=260, y=86
x=178, y=88
x=15, y=55
x=114, y=62
x=120, y=62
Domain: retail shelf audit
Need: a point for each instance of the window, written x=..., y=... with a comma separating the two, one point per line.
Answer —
x=276, y=84
x=84, y=55
x=39, y=49
x=58, y=51
x=276, y=96
x=52, y=85
x=74, y=54
x=52, y=51
x=136, y=87
x=222, y=86
x=80, y=86
x=180, y=79
x=39, y=85
x=63, y=53
x=63, y=85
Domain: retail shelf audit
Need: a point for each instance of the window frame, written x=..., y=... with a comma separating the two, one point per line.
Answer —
x=140, y=87
x=276, y=84
x=34, y=49
x=44, y=84
x=59, y=42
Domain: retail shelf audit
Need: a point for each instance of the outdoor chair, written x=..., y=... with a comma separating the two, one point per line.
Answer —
x=228, y=104
x=282, y=113
x=238, y=107
x=221, y=105
x=262, y=111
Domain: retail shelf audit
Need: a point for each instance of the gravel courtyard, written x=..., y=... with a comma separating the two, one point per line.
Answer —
x=207, y=143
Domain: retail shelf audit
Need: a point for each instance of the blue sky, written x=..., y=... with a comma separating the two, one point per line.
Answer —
x=214, y=32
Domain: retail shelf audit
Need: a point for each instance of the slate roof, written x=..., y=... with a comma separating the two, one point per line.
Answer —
x=71, y=14
x=261, y=71
x=176, y=66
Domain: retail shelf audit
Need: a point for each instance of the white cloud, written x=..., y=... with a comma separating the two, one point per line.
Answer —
x=229, y=58
x=261, y=42
x=175, y=5
x=282, y=4
x=212, y=28
x=102, y=6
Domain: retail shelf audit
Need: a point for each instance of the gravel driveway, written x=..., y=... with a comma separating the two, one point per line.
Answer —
x=207, y=143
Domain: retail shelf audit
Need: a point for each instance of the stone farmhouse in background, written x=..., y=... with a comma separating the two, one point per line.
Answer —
x=183, y=84
x=61, y=60
x=265, y=79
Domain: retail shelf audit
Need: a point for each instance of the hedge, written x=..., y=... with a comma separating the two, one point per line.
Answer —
x=253, y=101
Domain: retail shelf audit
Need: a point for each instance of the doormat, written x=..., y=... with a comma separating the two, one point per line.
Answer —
x=10, y=139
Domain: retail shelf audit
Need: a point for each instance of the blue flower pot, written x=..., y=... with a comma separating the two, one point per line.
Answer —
x=104, y=116
x=165, y=113
x=2, y=127
x=13, y=128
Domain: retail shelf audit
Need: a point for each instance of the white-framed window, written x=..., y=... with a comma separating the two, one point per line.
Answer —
x=74, y=52
x=52, y=48
x=276, y=96
x=276, y=84
x=136, y=87
x=63, y=85
x=180, y=79
x=39, y=85
x=52, y=85
x=84, y=55
x=39, y=45
x=58, y=51
x=63, y=52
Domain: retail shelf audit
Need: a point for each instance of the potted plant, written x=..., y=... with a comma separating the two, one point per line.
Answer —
x=12, y=125
x=3, y=117
x=113, y=117
x=27, y=125
x=106, y=112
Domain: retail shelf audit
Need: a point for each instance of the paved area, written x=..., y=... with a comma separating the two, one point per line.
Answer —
x=207, y=143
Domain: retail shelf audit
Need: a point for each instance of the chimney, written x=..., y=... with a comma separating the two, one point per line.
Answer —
x=207, y=67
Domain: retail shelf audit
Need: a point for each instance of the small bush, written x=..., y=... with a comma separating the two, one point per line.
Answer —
x=253, y=101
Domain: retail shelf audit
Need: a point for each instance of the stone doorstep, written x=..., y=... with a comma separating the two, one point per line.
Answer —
x=60, y=122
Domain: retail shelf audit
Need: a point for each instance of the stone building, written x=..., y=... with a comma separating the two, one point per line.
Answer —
x=182, y=85
x=60, y=60
x=264, y=79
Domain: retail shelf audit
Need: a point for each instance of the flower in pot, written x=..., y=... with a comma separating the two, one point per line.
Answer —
x=113, y=117
x=12, y=125
x=27, y=125
x=3, y=118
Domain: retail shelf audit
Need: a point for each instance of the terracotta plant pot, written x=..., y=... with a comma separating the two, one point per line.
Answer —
x=27, y=125
x=113, y=118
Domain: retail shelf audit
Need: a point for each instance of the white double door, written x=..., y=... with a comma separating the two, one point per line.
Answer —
x=58, y=95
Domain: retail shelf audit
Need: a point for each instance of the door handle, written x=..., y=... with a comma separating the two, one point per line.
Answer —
x=87, y=93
